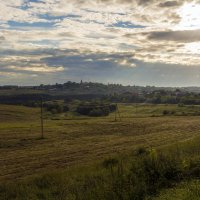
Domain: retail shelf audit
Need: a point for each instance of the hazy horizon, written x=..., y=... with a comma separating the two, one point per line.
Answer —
x=105, y=83
x=136, y=42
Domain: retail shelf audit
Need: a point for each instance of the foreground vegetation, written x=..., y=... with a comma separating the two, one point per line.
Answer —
x=147, y=155
x=139, y=176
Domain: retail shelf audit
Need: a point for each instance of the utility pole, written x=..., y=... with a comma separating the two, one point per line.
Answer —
x=42, y=120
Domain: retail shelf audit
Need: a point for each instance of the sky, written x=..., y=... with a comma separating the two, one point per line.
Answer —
x=131, y=42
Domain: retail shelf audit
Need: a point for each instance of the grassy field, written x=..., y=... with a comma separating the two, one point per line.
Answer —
x=185, y=191
x=72, y=141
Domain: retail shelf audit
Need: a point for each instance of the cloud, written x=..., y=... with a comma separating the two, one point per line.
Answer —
x=86, y=37
x=38, y=68
x=10, y=74
x=186, y=36
x=2, y=38
x=170, y=4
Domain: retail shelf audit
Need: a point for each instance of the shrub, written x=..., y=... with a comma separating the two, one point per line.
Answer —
x=173, y=112
x=156, y=171
x=111, y=162
x=94, y=110
x=106, y=111
x=141, y=151
x=194, y=168
x=65, y=108
x=166, y=112
x=55, y=108
x=96, y=113
x=181, y=105
x=112, y=107
x=84, y=109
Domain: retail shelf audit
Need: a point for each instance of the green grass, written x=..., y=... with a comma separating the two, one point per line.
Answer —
x=138, y=176
x=185, y=191
x=75, y=146
x=148, y=110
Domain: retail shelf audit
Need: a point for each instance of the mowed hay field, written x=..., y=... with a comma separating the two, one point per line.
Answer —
x=72, y=140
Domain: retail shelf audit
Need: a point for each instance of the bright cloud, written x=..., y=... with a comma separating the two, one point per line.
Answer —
x=37, y=68
x=190, y=18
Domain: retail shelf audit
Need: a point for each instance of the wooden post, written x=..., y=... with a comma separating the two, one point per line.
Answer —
x=42, y=120
x=116, y=113
x=119, y=114
x=136, y=109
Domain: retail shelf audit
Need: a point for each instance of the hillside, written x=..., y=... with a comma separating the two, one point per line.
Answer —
x=85, y=91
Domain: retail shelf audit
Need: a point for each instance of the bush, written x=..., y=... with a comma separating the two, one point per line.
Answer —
x=181, y=105
x=96, y=113
x=94, y=110
x=106, y=111
x=141, y=151
x=109, y=163
x=166, y=112
x=55, y=108
x=156, y=171
x=65, y=108
x=173, y=112
x=112, y=107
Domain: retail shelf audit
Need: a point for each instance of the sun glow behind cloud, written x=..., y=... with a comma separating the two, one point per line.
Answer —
x=190, y=16
x=193, y=48
x=190, y=20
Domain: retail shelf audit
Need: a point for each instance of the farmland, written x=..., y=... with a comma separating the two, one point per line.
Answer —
x=73, y=141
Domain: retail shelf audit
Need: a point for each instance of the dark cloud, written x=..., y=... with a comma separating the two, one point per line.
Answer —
x=138, y=2
x=67, y=34
x=170, y=4
x=74, y=61
x=88, y=60
x=185, y=36
x=2, y=39
x=142, y=2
